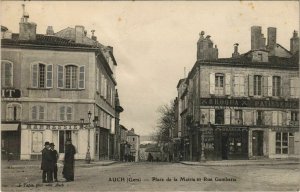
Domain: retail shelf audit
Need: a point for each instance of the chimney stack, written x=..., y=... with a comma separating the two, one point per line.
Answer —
x=262, y=42
x=205, y=49
x=27, y=30
x=294, y=43
x=256, y=37
x=93, y=36
x=236, y=51
x=50, y=30
x=271, y=40
x=79, y=33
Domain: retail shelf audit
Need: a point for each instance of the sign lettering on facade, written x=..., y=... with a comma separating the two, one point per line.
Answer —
x=10, y=93
x=256, y=103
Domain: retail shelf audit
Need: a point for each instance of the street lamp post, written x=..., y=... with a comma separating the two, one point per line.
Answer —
x=202, y=140
x=88, y=154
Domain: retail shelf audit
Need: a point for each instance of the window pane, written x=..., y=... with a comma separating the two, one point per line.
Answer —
x=8, y=74
x=41, y=112
x=62, y=113
x=41, y=75
x=69, y=113
x=49, y=76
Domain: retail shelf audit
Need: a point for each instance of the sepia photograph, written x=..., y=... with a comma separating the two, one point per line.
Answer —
x=150, y=96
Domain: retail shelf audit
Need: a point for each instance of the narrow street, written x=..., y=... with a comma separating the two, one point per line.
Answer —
x=146, y=176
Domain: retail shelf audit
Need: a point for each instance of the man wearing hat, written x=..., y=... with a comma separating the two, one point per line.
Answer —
x=47, y=163
x=55, y=156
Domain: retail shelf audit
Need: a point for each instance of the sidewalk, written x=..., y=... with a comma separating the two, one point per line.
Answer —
x=17, y=164
x=243, y=162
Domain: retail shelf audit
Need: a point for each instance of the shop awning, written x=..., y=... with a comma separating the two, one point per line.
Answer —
x=9, y=127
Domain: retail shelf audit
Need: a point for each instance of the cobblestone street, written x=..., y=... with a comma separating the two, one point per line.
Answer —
x=160, y=177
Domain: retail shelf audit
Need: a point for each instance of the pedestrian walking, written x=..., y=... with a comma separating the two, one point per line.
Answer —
x=68, y=170
x=55, y=157
x=47, y=163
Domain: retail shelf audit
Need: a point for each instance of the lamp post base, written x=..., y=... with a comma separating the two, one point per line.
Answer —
x=88, y=158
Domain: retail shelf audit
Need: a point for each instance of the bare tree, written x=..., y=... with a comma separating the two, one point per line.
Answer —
x=165, y=124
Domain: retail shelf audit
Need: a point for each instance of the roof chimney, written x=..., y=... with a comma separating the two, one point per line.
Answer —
x=294, y=42
x=79, y=33
x=271, y=40
x=236, y=50
x=27, y=31
x=50, y=30
x=255, y=37
x=93, y=36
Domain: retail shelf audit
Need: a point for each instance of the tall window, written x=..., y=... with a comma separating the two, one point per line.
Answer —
x=71, y=77
x=239, y=117
x=6, y=74
x=219, y=84
x=257, y=85
x=239, y=85
x=65, y=113
x=259, y=117
x=282, y=141
x=41, y=75
x=276, y=85
x=219, y=117
x=38, y=113
x=294, y=118
x=13, y=112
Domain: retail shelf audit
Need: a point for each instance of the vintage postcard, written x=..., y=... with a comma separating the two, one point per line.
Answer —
x=150, y=96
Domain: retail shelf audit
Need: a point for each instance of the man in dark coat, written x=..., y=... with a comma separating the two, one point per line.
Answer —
x=68, y=170
x=47, y=163
x=55, y=156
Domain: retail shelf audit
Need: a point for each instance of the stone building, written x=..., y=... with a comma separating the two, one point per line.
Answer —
x=134, y=141
x=49, y=84
x=243, y=107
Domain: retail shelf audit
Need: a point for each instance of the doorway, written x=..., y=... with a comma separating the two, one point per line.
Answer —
x=224, y=146
x=257, y=143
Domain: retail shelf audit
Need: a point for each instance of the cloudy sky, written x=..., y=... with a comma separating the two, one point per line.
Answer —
x=154, y=41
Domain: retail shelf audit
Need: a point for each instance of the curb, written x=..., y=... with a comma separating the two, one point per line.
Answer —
x=244, y=164
x=80, y=165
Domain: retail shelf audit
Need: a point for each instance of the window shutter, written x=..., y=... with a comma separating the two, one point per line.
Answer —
x=62, y=113
x=247, y=117
x=227, y=83
x=236, y=85
x=297, y=87
x=212, y=83
x=227, y=116
x=60, y=76
x=275, y=118
x=9, y=115
x=34, y=75
x=254, y=117
x=270, y=81
x=242, y=85
x=250, y=88
x=265, y=86
x=212, y=116
x=292, y=87
x=34, y=112
x=97, y=79
x=102, y=85
x=41, y=112
x=81, y=82
x=233, y=120
x=105, y=88
x=69, y=113
x=288, y=118
x=280, y=118
x=49, y=76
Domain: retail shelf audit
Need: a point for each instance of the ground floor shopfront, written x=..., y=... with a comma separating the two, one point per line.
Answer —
x=33, y=137
x=236, y=142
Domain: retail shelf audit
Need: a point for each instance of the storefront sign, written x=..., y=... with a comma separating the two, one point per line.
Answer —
x=10, y=93
x=255, y=103
x=285, y=129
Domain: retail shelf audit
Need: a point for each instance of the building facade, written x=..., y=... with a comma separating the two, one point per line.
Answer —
x=246, y=106
x=134, y=142
x=49, y=84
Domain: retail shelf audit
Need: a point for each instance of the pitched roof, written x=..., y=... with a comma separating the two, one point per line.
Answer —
x=44, y=40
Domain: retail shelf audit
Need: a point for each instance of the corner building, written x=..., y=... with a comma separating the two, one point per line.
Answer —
x=49, y=84
x=246, y=106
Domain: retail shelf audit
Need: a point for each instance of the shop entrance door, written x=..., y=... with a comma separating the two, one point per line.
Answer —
x=224, y=146
x=257, y=143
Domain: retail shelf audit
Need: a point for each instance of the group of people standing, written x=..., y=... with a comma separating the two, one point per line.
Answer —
x=49, y=162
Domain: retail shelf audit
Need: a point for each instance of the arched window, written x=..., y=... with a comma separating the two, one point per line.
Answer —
x=6, y=74
x=13, y=112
